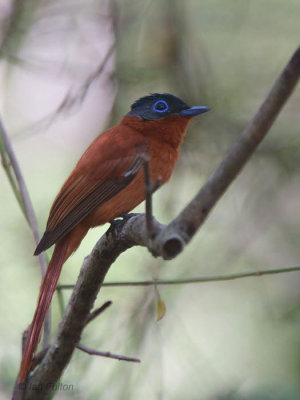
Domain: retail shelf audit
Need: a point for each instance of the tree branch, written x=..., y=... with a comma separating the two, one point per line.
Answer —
x=90, y=279
x=168, y=242
x=179, y=232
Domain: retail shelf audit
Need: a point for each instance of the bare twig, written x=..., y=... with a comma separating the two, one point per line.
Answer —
x=94, y=314
x=9, y=173
x=18, y=184
x=37, y=359
x=150, y=188
x=107, y=354
x=148, y=197
x=198, y=279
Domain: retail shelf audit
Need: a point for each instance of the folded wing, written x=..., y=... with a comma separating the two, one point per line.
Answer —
x=97, y=181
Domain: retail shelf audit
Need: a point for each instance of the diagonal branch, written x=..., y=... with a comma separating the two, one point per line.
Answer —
x=16, y=179
x=106, y=354
x=169, y=241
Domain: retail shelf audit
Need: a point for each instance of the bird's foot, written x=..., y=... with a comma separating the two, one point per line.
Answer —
x=116, y=225
x=126, y=216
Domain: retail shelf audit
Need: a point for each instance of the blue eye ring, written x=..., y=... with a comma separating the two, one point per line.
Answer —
x=160, y=110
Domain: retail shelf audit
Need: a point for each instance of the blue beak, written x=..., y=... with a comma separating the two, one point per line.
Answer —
x=191, y=112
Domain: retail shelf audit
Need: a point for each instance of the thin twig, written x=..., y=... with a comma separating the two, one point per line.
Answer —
x=26, y=206
x=107, y=354
x=94, y=314
x=199, y=279
x=37, y=359
x=7, y=168
x=148, y=197
x=149, y=190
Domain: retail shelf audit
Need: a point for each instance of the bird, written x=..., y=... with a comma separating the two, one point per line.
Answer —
x=108, y=181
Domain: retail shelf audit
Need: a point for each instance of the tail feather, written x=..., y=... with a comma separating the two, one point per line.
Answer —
x=46, y=292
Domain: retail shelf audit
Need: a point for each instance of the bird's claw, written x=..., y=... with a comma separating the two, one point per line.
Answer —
x=117, y=224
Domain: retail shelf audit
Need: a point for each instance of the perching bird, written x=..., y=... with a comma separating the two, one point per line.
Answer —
x=106, y=182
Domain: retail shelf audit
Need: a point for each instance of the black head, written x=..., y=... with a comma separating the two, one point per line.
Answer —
x=158, y=106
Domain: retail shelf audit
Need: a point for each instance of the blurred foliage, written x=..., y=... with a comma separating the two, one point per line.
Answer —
x=231, y=340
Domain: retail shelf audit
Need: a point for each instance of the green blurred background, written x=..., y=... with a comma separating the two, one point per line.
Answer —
x=224, y=340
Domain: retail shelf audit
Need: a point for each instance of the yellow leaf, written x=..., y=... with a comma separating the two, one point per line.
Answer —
x=160, y=309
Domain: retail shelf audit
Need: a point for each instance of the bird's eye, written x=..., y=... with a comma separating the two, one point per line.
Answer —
x=160, y=106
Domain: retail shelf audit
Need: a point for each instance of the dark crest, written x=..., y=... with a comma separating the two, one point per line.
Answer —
x=157, y=106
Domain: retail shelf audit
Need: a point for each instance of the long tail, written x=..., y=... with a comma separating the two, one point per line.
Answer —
x=47, y=289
